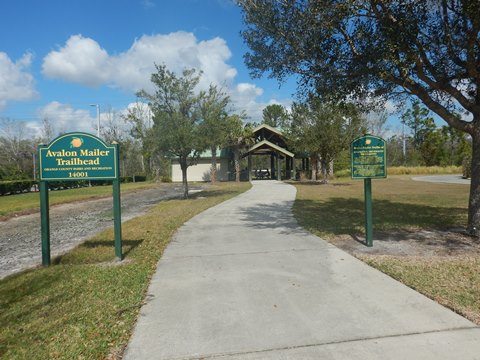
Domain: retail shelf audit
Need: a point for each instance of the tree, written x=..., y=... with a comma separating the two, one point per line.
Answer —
x=275, y=115
x=16, y=151
x=353, y=49
x=213, y=128
x=47, y=131
x=418, y=120
x=139, y=117
x=323, y=131
x=176, y=116
x=377, y=123
x=239, y=137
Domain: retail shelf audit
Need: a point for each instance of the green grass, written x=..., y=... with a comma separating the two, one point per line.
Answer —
x=454, y=283
x=85, y=306
x=13, y=204
x=337, y=209
x=398, y=203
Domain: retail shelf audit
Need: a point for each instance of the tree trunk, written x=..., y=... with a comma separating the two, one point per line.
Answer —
x=314, y=162
x=474, y=201
x=213, y=169
x=183, y=166
x=324, y=170
x=236, y=157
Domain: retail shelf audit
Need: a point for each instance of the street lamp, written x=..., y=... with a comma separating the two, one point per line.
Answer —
x=98, y=118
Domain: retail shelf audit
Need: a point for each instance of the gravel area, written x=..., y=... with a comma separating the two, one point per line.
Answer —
x=70, y=224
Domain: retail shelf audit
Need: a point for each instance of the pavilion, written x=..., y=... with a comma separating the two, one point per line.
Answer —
x=270, y=141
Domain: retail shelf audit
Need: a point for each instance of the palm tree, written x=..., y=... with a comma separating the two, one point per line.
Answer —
x=238, y=140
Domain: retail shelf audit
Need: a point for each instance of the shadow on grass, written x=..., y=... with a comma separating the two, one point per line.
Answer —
x=341, y=216
x=321, y=183
x=212, y=193
x=95, y=251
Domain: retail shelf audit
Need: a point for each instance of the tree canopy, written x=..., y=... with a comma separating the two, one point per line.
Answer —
x=323, y=131
x=275, y=115
x=353, y=49
x=176, y=116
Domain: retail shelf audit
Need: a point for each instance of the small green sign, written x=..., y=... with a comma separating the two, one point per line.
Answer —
x=368, y=157
x=78, y=156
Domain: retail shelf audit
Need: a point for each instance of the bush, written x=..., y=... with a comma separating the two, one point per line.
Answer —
x=411, y=170
x=21, y=186
x=166, y=179
x=423, y=170
x=343, y=173
x=15, y=187
x=139, y=178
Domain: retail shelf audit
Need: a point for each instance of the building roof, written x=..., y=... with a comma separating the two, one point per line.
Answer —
x=269, y=128
x=266, y=146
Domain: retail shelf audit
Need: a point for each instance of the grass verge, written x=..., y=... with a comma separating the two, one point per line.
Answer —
x=84, y=307
x=21, y=203
x=452, y=282
x=337, y=209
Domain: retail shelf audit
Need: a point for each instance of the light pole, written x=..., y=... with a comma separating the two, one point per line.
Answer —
x=98, y=118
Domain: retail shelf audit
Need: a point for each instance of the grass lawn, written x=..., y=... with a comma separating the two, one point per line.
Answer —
x=337, y=209
x=12, y=204
x=398, y=203
x=84, y=306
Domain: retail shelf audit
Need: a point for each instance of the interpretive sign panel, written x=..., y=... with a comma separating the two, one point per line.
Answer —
x=368, y=157
x=78, y=156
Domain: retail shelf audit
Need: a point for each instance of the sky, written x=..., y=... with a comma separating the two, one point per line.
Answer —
x=58, y=57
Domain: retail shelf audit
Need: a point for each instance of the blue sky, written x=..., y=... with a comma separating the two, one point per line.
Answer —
x=59, y=56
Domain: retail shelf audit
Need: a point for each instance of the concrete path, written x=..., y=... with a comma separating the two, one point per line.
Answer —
x=243, y=281
x=448, y=179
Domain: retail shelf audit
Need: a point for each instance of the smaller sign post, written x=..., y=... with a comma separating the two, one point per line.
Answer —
x=72, y=157
x=368, y=162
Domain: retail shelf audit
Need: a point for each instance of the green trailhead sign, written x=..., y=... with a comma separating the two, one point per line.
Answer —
x=78, y=156
x=368, y=157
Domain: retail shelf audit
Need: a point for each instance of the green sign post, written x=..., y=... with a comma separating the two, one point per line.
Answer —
x=368, y=162
x=78, y=156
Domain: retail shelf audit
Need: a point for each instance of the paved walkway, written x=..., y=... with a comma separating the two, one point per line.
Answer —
x=243, y=281
x=449, y=179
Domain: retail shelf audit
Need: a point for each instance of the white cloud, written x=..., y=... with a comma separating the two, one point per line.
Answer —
x=245, y=98
x=64, y=118
x=82, y=60
x=16, y=82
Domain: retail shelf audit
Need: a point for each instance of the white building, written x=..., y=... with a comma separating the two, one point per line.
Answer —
x=201, y=171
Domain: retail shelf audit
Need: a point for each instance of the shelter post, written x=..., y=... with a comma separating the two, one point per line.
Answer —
x=249, y=167
x=279, y=168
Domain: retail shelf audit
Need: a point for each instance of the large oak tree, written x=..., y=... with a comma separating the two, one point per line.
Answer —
x=355, y=48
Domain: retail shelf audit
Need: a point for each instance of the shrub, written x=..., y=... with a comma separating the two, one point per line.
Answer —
x=423, y=170
x=15, y=187
x=411, y=170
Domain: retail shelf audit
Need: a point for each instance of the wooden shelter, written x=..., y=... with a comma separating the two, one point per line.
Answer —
x=270, y=141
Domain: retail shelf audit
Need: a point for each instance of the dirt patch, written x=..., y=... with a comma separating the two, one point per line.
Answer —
x=421, y=243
